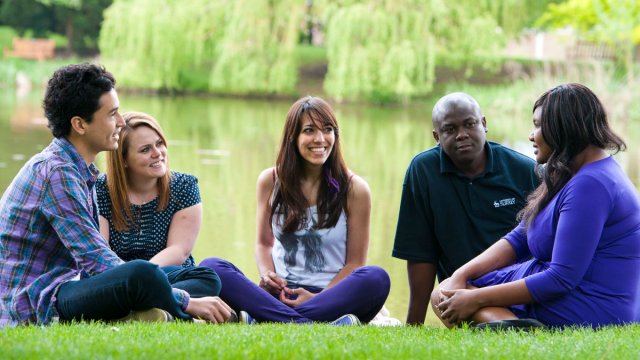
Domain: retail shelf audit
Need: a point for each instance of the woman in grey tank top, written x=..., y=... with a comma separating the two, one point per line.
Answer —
x=312, y=232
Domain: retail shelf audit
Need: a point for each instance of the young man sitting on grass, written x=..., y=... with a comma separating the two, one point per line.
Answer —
x=54, y=264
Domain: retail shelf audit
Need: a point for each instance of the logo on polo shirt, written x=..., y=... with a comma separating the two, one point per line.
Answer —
x=504, y=202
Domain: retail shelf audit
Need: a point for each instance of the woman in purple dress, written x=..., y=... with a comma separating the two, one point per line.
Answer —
x=575, y=257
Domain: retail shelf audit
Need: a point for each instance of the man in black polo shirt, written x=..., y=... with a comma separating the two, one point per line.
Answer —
x=458, y=198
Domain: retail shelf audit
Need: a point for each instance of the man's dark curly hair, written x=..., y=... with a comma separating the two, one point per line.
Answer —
x=75, y=90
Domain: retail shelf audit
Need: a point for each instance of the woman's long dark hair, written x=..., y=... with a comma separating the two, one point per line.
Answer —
x=572, y=118
x=288, y=199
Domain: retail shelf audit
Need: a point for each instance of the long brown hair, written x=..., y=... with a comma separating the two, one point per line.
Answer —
x=288, y=198
x=117, y=181
x=572, y=118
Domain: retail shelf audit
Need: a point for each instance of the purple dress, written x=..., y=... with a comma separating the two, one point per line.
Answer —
x=580, y=257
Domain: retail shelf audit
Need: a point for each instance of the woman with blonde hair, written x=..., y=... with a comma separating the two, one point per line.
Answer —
x=151, y=213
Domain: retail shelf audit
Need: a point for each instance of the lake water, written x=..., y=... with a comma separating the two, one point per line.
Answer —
x=227, y=142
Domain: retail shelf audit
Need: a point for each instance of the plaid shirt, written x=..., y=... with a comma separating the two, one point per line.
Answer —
x=49, y=234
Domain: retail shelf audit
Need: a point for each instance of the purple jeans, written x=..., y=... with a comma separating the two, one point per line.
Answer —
x=362, y=293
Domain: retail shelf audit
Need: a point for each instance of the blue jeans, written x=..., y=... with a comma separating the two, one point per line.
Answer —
x=362, y=293
x=197, y=281
x=135, y=285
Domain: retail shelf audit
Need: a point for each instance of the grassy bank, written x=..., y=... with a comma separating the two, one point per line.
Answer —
x=181, y=340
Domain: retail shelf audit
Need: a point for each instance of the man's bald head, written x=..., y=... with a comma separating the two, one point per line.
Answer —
x=450, y=103
x=460, y=129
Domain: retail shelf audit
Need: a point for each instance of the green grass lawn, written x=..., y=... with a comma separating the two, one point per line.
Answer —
x=272, y=341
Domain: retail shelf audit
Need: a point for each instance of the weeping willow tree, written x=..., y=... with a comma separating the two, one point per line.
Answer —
x=512, y=15
x=472, y=33
x=469, y=35
x=388, y=49
x=237, y=47
x=256, y=54
x=379, y=50
x=161, y=44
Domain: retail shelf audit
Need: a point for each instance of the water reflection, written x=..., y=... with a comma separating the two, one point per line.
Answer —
x=227, y=142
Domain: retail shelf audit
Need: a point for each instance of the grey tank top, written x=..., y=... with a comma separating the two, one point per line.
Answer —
x=311, y=256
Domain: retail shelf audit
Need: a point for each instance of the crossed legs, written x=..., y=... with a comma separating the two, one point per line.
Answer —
x=486, y=314
x=362, y=293
x=135, y=285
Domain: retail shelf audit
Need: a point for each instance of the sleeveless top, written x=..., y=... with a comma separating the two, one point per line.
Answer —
x=149, y=235
x=311, y=256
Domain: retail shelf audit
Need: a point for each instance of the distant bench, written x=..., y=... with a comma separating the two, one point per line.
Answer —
x=37, y=49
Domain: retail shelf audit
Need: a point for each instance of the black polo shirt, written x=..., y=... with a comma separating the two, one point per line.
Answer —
x=447, y=218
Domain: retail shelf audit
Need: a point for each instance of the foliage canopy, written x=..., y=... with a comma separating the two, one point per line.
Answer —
x=78, y=20
x=613, y=22
x=380, y=52
x=388, y=49
x=235, y=47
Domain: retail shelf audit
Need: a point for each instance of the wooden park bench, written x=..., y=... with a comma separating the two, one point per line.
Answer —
x=37, y=49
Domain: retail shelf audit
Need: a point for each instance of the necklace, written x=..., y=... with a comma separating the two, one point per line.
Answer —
x=142, y=200
x=138, y=218
x=138, y=202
